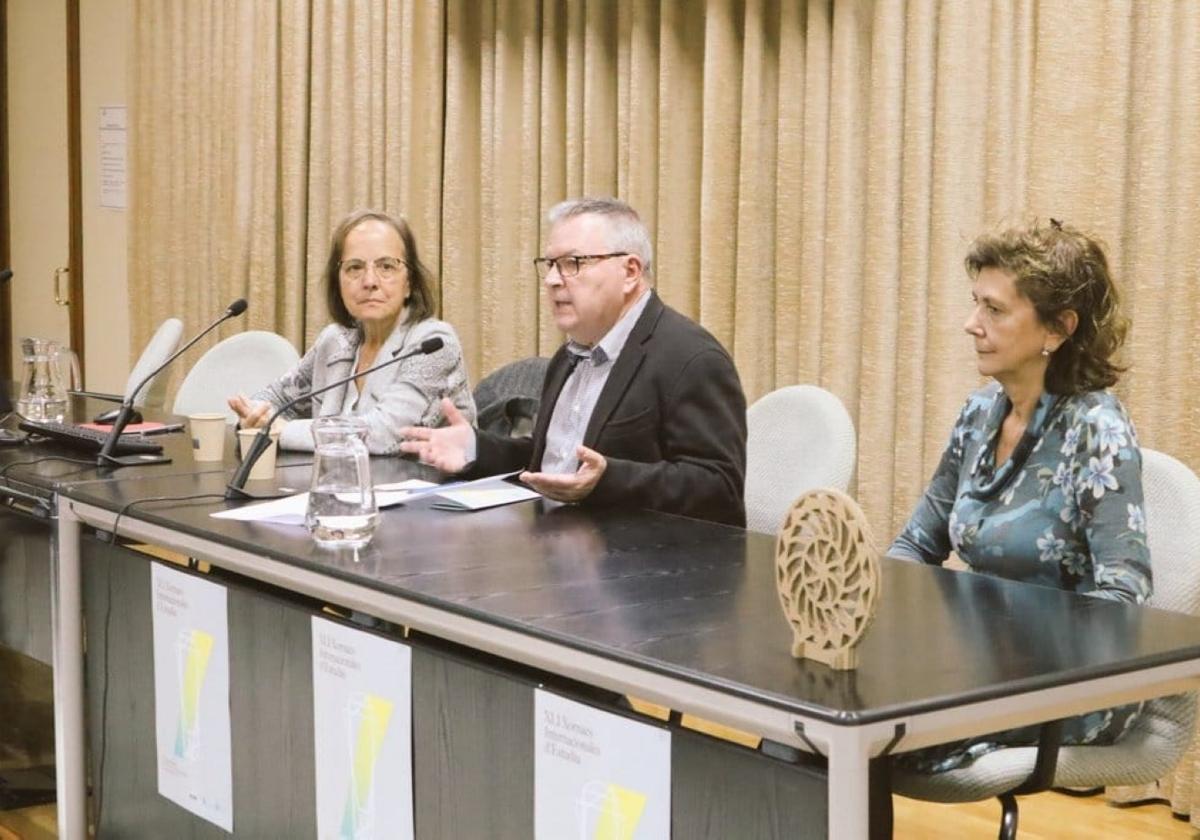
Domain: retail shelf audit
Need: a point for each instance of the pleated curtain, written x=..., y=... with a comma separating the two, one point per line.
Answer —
x=812, y=173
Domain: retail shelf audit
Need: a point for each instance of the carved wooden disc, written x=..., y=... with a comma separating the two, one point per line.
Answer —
x=827, y=574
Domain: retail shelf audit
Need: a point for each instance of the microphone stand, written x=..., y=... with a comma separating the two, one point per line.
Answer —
x=236, y=487
x=106, y=457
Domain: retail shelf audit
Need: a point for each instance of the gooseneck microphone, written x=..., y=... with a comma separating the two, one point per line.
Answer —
x=263, y=439
x=106, y=458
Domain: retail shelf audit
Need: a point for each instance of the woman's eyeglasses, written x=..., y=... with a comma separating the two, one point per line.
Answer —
x=386, y=268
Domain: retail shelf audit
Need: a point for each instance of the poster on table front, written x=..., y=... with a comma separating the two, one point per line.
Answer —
x=598, y=776
x=191, y=694
x=362, y=723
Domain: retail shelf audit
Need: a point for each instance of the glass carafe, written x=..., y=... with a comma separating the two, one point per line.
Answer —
x=341, y=503
x=48, y=370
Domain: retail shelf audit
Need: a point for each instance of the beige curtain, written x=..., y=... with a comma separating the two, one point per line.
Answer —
x=812, y=173
x=256, y=127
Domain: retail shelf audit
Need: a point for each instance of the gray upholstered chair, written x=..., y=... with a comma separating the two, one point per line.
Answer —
x=507, y=399
x=1161, y=734
x=800, y=438
x=161, y=345
x=242, y=363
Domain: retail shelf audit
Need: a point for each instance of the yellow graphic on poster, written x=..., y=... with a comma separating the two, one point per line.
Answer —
x=194, y=650
x=620, y=811
x=372, y=715
x=598, y=775
x=362, y=734
x=192, y=737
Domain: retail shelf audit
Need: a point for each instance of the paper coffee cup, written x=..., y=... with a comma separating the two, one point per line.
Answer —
x=264, y=467
x=208, y=436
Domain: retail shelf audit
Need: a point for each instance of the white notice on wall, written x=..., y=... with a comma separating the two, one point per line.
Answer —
x=362, y=722
x=191, y=694
x=598, y=776
x=113, y=172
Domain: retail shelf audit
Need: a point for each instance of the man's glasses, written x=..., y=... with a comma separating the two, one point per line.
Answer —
x=570, y=265
x=386, y=268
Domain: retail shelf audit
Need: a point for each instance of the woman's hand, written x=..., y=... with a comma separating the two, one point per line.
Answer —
x=251, y=414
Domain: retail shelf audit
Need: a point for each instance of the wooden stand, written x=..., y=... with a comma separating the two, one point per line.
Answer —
x=827, y=574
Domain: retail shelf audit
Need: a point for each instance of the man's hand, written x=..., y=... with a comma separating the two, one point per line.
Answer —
x=572, y=487
x=444, y=448
x=251, y=415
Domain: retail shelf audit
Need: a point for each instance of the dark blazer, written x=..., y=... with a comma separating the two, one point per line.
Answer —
x=670, y=421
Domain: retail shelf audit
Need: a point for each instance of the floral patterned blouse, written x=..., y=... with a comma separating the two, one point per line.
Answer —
x=1065, y=510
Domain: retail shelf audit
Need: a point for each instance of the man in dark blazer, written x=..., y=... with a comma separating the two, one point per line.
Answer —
x=641, y=407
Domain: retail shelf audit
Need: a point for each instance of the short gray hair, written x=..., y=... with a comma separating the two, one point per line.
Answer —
x=629, y=233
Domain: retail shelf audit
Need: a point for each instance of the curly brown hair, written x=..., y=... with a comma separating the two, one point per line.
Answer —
x=420, y=281
x=1059, y=268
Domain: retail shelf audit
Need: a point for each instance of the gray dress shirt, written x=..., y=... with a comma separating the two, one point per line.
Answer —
x=590, y=369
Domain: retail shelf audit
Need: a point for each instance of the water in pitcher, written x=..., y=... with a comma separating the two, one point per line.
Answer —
x=340, y=520
x=341, y=509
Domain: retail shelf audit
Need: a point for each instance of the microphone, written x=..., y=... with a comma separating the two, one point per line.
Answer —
x=262, y=440
x=5, y=275
x=106, y=458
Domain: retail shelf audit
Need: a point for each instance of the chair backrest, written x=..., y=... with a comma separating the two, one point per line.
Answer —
x=243, y=363
x=1159, y=736
x=507, y=399
x=800, y=438
x=161, y=345
x=1172, y=494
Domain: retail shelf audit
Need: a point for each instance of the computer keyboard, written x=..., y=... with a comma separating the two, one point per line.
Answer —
x=89, y=440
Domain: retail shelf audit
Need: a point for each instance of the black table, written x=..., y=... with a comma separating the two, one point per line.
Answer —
x=678, y=612
x=31, y=477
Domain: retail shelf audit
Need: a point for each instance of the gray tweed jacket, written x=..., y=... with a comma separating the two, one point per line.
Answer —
x=407, y=393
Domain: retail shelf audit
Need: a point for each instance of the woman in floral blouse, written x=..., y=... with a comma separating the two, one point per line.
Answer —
x=1042, y=478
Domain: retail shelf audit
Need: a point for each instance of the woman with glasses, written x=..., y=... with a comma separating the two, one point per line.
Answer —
x=379, y=295
x=1041, y=481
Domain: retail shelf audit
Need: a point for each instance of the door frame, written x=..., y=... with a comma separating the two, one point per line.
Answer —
x=6, y=368
x=75, y=185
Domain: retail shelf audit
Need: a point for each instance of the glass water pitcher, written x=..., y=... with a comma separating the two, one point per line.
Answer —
x=341, y=503
x=48, y=371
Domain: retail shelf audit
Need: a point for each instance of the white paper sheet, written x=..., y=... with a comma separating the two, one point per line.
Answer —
x=598, y=776
x=191, y=694
x=484, y=496
x=114, y=171
x=486, y=492
x=290, y=509
x=362, y=721
x=481, y=493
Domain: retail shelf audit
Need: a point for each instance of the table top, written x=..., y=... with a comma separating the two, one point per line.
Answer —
x=43, y=468
x=696, y=601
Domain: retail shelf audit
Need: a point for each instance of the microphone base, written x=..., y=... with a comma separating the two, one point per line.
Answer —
x=115, y=461
x=262, y=494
